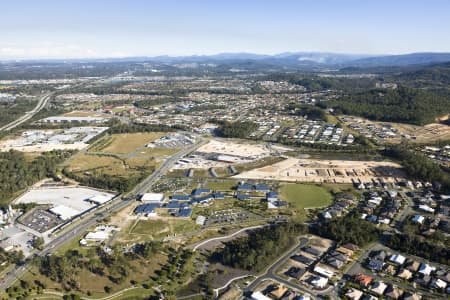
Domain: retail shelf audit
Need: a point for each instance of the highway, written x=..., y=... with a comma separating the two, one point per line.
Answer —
x=68, y=234
x=28, y=115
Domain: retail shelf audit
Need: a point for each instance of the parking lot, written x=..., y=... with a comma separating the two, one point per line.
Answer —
x=40, y=220
x=176, y=140
x=228, y=216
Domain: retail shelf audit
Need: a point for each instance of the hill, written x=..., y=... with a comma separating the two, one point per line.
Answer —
x=404, y=105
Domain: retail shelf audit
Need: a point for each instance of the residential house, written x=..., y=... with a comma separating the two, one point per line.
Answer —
x=378, y=287
x=412, y=265
x=404, y=274
x=318, y=282
x=411, y=296
x=354, y=294
x=393, y=292
x=363, y=280
x=295, y=272
x=302, y=259
x=426, y=269
x=397, y=259
x=278, y=292
x=312, y=250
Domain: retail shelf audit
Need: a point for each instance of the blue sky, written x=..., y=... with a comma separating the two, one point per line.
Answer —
x=110, y=28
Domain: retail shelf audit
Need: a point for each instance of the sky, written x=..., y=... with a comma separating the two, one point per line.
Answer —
x=113, y=28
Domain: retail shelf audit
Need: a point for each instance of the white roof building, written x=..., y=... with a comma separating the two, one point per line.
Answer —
x=426, y=269
x=418, y=219
x=64, y=212
x=378, y=287
x=324, y=272
x=397, y=259
x=259, y=296
x=319, y=282
x=97, y=236
x=354, y=294
x=152, y=197
x=200, y=220
x=100, y=199
x=438, y=284
x=426, y=208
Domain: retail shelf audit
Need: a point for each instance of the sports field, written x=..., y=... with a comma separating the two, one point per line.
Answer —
x=303, y=196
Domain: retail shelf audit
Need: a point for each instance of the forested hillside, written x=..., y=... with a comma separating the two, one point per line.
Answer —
x=404, y=104
x=18, y=172
x=435, y=75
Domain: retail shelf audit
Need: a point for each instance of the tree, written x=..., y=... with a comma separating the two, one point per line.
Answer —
x=38, y=243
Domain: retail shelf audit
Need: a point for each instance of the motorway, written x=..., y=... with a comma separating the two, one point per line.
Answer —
x=89, y=220
x=28, y=115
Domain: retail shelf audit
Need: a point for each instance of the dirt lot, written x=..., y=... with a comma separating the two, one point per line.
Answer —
x=238, y=149
x=425, y=134
x=336, y=171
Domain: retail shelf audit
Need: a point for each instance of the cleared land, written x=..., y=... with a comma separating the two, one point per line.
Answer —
x=330, y=171
x=129, y=142
x=231, y=148
x=87, y=164
x=305, y=195
x=160, y=228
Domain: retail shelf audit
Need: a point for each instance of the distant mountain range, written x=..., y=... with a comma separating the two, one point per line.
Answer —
x=289, y=59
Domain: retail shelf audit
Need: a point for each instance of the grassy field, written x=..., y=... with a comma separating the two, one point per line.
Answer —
x=335, y=188
x=129, y=142
x=158, y=229
x=83, y=114
x=303, y=196
x=266, y=161
x=222, y=185
x=158, y=152
x=86, y=164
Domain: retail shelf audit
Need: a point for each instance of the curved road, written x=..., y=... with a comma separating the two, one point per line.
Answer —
x=270, y=273
x=225, y=237
x=28, y=115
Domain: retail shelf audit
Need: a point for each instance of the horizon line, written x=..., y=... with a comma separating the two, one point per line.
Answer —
x=6, y=59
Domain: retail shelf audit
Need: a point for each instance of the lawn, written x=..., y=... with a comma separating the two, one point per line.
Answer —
x=159, y=229
x=222, y=185
x=129, y=142
x=303, y=196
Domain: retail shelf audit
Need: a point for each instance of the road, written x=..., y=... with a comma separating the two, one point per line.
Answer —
x=357, y=268
x=28, y=115
x=67, y=235
x=270, y=273
x=222, y=238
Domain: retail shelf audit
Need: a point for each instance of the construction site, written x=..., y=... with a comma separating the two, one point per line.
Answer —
x=331, y=171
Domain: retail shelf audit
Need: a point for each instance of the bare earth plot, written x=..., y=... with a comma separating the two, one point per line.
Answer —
x=425, y=134
x=334, y=171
